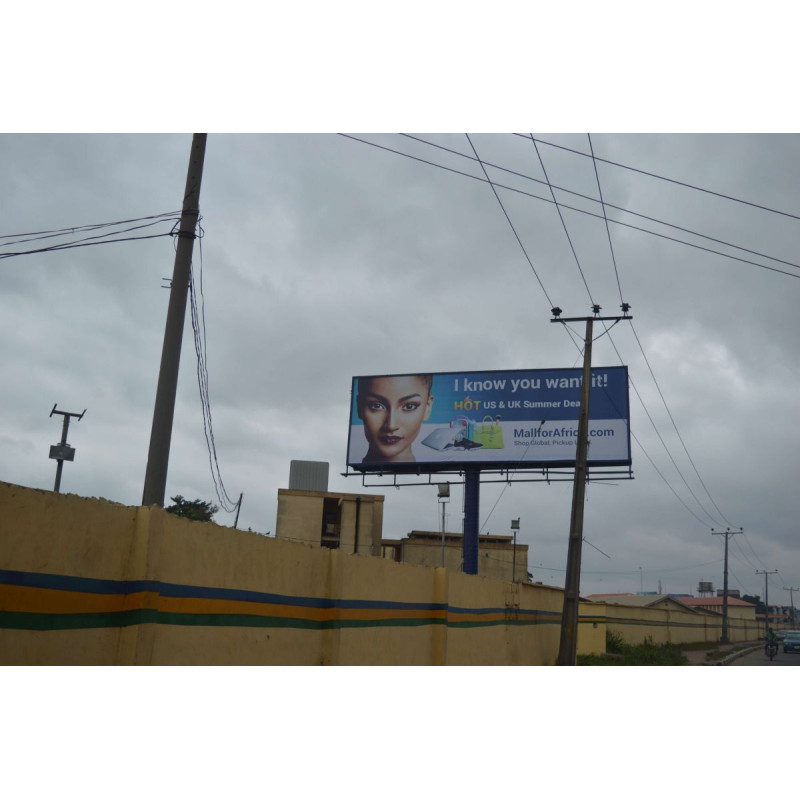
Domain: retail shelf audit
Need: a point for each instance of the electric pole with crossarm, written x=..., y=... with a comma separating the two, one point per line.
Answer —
x=726, y=533
x=568, y=645
x=766, y=573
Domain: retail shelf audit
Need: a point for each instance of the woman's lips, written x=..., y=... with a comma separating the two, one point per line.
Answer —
x=390, y=440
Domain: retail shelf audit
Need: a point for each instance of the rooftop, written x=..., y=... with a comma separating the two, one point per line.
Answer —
x=714, y=601
x=485, y=538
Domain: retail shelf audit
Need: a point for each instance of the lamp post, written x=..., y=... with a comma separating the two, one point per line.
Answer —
x=444, y=497
x=514, y=529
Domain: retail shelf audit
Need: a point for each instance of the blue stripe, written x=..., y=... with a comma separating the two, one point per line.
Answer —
x=100, y=586
x=69, y=583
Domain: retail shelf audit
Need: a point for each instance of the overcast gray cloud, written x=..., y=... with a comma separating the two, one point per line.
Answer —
x=325, y=258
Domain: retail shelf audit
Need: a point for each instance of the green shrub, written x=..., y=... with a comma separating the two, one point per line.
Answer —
x=619, y=653
x=614, y=642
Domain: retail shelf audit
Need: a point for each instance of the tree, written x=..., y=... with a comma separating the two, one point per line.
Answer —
x=192, y=509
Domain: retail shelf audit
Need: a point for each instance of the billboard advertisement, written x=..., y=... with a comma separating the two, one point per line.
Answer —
x=499, y=419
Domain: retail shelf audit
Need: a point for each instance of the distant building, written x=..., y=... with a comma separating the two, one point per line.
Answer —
x=779, y=617
x=497, y=555
x=352, y=523
x=641, y=600
x=716, y=603
x=736, y=607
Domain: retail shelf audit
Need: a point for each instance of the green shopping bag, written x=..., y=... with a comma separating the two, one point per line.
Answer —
x=489, y=434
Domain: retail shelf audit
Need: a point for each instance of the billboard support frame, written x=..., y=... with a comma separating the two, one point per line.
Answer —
x=508, y=420
x=546, y=475
x=389, y=412
x=472, y=499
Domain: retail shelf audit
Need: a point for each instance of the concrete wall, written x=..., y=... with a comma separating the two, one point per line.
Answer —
x=86, y=581
x=673, y=625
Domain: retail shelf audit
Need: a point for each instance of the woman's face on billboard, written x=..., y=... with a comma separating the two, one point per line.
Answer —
x=393, y=410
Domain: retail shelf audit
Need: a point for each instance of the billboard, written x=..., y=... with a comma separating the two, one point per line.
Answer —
x=498, y=419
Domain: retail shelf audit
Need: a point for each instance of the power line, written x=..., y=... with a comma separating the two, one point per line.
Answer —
x=671, y=180
x=603, y=203
x=519, y=241
x=201, y=349
x=511, y=224
x=652, y=374
x=669, y=485
x=486, y=179
x=563, y=224
x=55, y=248
x=640, y=398
x=94, y=226
x=551, y=186
x=753, y=551
x=605, y=219
x=674, y=425
x=86, y=241
x=745, y=558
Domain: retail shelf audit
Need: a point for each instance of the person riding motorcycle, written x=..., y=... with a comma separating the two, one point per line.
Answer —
x=771, y=640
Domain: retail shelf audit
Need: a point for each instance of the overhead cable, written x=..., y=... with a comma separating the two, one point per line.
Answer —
x=563, y=224
x=671, y=180
x=199, y=329
x=598, y=216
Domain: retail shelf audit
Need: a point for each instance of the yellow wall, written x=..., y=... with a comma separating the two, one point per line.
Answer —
x=86, y=581
x=673, y=625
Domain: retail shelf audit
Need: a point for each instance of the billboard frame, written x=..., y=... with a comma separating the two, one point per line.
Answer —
x=545, y=475
x=544, y=465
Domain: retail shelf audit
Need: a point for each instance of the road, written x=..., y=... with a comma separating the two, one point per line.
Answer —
x=758, y=659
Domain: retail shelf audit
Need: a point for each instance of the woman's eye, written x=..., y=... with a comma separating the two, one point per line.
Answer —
x=375, y=406
x=410, y=406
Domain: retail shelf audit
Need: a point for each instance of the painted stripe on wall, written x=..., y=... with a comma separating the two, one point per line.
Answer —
x=40, y=601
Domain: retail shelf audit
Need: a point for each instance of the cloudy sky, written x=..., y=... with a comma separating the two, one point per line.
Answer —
x=325, y=257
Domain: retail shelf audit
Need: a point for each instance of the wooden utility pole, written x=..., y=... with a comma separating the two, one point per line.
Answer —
x=155, y=480
x=726, y=533
x=766, y=573
x=792, y=590
x=568, y=643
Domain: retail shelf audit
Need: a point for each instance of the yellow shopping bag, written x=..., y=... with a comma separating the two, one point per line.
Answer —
x=489, y=434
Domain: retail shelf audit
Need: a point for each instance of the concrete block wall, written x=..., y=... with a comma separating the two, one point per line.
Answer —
x=87, y=581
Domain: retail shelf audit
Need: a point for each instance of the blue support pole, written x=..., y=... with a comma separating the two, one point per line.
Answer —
x=472, y=489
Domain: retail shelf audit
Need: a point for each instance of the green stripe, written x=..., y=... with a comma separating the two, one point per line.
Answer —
x=25, y=620
x=22, y=620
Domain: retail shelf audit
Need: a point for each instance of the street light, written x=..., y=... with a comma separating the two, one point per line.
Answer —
x=444, y=497
x=514, y=529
